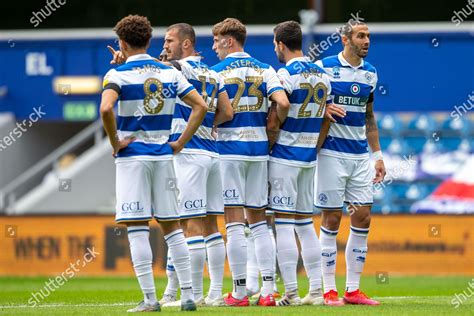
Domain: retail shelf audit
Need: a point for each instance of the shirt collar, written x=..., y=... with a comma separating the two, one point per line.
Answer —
x=297, y=59
x=344, y=62
x=138, y=57
x=192, y=58
x=238, y=55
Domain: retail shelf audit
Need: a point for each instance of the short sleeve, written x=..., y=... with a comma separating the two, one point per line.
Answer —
x=374, y=81
x=183, y=87
x=327, y=82
x=112, y=81
x=285, y=80
x=319, y=63
x=272, y=81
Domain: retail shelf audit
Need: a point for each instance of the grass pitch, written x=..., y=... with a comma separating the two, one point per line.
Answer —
x=111, y=295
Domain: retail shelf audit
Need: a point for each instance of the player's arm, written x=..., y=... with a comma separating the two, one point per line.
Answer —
x=199, y=109
x=109, y=98
x=224, y=111
x=323, y=132
x=273, y=125
x=372, y=133
x=282, y=105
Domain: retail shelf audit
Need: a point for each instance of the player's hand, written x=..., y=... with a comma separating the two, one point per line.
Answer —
x=214, y=132
x=379, y=171
x=177, y=146
x=117, y=56
x=122, y=143
x=332, y=109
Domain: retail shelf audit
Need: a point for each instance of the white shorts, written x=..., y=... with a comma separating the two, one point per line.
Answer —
x=342, y=181
x=146, y=189
x=199, y=184
x=291, y=189
x=245, y=183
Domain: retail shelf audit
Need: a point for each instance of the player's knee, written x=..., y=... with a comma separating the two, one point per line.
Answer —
x=331, y=220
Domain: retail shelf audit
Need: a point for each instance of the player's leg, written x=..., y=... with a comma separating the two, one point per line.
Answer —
x=215, y=246
x=134, y=209
x=253, y=273
x=270, y=216
x=331, y=180
x=233, y=181
x=283, y=196
x=165, y=205
x=310, y=246
x=256, y=201
x=359, y=197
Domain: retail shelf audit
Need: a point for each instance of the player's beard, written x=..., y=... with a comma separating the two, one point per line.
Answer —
x=178, y=54
x=359, y=50
x=280, y=57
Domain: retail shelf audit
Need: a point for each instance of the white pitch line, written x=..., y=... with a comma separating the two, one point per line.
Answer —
x=134, y=303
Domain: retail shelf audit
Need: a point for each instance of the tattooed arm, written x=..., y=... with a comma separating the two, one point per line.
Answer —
x=372, y=133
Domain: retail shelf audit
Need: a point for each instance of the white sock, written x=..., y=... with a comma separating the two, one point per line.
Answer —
x=173, y=283
x=265, y=255
x=142, y=257
x=329, y=255
x=197, y=252
x=310, y=252
x=237, y=255
x=252, y=266
x=179, y=253
x=272, y=236
x=215, y=263
x=287, y=252
x=356, y=251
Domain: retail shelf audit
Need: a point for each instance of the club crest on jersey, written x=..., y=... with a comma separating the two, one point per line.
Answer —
x=355, y=89
x=336, y=72
x=323, y=199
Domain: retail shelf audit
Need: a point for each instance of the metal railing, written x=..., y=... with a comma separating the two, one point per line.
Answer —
x=8, y=194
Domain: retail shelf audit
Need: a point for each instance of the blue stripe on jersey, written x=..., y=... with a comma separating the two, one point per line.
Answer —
x=146, y=123
x=344, y=88
x=333, y=61
x=140, y=63
x=243, y=148
x=141, y=149
x=239, y=62
x=233, y=87
x=243, y=119
x=294, y=153
x=346, y=145
x=356, y=119
x=137, y=91
x=197, y=142
x=182, y=111
x=185, y=92
x=300, y=125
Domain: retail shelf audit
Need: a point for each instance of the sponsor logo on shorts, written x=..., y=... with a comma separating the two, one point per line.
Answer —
x=132, y=207
x=194, y=204
x=230, y=194
x=282, y=200
x=323, y=199
x=330, y=263
x=361, y=259
x=328, y=254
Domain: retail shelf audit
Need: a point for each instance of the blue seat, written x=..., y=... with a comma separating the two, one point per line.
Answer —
x=389, y=124
x=450, y=143
x=385, y=142
x=451, y=127
x=416, y=143
x=399, y=147
x=420, y=125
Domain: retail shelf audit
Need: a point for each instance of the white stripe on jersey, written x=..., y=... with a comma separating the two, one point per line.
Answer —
x=347, y=132
x=245, y=134
x=137, y=109
x=307, y=140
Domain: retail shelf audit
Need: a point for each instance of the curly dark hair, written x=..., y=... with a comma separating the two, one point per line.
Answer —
x=135, y=30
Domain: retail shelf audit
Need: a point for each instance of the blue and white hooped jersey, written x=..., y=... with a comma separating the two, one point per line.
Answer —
x=309, y=91
x=209, y=84
x=351, y=89
x=147, y=95
x=249, y=83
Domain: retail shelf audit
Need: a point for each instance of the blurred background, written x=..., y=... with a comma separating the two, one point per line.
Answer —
x=57, y=175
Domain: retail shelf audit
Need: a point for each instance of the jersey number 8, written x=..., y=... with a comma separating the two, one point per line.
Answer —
x=153, y=101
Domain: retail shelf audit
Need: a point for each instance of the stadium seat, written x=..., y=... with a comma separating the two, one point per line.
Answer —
x=389, y=125
x=450, y=143
x=420, y=125
x=385, y=142
x=455, y=127
x=416, y=143
x=399, y=147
